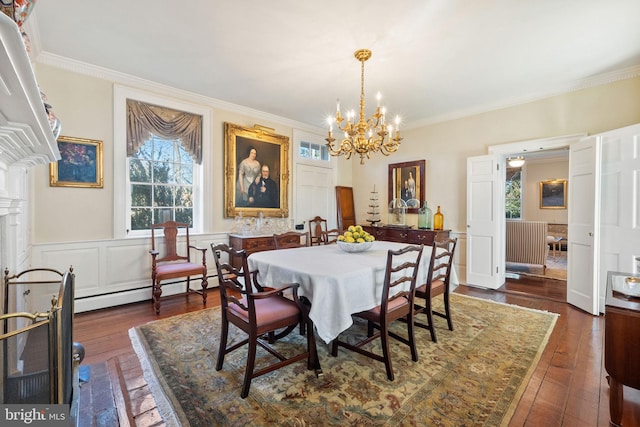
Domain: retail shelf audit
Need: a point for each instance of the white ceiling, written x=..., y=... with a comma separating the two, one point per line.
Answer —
x=432, y=59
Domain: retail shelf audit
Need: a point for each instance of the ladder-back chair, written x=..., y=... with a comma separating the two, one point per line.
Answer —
x=400, y=274
x=438, y=279
x=259, y=315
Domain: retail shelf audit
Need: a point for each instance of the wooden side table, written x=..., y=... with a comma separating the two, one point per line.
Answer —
x=621, y=338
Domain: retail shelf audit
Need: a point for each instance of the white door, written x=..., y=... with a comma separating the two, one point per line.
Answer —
x=485, y=224
x=584, y=213
x=620, y=208
x=314, y=194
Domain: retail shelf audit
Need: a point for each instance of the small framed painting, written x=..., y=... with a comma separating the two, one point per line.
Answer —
x=80, y=164
x=407, y=182
x=553, y=194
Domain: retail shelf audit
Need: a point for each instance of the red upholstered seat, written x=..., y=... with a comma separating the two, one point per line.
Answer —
x=269, y=311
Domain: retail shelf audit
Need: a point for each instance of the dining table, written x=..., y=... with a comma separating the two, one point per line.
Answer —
x=337, y=283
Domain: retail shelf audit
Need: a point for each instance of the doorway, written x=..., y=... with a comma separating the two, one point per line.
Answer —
x=524, y=202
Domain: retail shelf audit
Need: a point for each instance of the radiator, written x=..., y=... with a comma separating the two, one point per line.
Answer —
x=526, y=242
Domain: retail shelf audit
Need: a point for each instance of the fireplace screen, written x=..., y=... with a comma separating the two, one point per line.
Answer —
x=37, y=342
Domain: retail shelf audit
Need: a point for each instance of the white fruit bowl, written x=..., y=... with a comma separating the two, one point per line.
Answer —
x=354, y=247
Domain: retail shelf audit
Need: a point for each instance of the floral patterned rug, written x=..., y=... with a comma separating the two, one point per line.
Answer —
x=474, y=375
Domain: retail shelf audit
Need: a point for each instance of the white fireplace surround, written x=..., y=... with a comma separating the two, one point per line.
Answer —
x=26, y=140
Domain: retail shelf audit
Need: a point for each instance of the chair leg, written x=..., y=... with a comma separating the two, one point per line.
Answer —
x=412, y=340
x=384, y=337
x=251, y=361
x=429, y=312
x=447, y=312
x=157, y=292
x=205, y=283
x=222, y=350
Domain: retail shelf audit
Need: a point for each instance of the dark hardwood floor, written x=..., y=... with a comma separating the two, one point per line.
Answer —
x=568, y=387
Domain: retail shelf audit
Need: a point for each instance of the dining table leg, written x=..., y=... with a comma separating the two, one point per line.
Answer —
x=306, y=304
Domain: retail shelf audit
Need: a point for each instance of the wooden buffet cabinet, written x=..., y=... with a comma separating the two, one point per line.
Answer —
x=406, y=234
x=250, y=244
x=621, y=339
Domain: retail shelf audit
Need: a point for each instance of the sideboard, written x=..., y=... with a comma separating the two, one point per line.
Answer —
x=407, y=235
x=621, y=338
x=250, y=244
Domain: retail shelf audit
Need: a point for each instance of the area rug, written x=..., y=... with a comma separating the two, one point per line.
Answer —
x=556, y=268
x=474, y=375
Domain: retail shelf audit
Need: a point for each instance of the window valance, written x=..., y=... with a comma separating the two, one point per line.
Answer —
x=146, y=119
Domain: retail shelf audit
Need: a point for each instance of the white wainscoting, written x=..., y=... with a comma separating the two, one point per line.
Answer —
x=460, y=258
x=114, y=272
x=117, y=272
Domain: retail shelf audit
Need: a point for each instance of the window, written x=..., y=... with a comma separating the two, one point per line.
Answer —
x=159, y=170
x=161, y=180
x=309, y=150
x=513, y=193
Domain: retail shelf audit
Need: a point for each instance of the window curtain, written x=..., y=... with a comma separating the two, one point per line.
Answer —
x=143, y=120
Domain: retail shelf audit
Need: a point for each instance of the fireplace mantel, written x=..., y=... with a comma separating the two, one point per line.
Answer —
x=25, y=133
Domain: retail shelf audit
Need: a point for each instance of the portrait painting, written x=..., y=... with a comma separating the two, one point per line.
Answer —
x=406, y=182
x=256, y=171
x=80, y=164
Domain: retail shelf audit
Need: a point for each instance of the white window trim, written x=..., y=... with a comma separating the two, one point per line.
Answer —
x=303, y=136
x=121, y=199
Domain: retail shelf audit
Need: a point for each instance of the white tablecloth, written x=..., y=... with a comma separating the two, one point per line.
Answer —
x=337, y=283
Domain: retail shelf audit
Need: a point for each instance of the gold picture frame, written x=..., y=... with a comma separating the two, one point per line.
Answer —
x=407, y=182
x=243, y=168
x=80, y=164
x=553, y=194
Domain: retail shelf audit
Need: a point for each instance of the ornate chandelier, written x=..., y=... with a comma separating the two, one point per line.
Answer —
x=367, y=135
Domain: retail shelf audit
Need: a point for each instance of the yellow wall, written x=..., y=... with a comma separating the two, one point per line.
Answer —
x=85, y=106
x=446, y=146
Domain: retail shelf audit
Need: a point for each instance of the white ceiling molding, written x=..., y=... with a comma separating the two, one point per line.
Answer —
x=129, y=80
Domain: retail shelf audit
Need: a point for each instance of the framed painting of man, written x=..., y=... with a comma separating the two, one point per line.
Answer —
x=256, y=171
x=406, y=182
x=80, y=164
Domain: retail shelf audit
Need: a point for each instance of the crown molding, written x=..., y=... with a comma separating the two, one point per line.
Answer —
x=129, y=80
x=117, y=77
x=567, y=87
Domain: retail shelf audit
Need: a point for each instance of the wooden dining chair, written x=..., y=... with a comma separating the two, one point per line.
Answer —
x=259, y=315
x=291, y=239
x=175, y=262
x=438, y=283
x=319, y=233
x=396, y=303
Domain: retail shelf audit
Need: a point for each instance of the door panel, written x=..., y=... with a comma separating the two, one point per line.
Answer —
x=620, y=212
x=346, y=210
x=583, y=246
x=485, y=264
x=314, y=194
